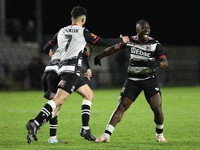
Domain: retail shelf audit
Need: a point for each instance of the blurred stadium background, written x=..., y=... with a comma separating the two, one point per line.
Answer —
x=17, y=56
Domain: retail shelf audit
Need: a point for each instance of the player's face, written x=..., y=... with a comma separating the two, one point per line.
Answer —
x=143, y=31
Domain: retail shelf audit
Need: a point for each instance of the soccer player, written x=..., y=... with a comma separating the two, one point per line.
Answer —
x=51, y=79
x=71, y=42
x=146, y=55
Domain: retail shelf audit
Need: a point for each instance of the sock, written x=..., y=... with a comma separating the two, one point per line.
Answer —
x=45, y=112
x=85, y=112
x=53, y=126
x=53, y=137
x=109, y=129
x=51, y=116
x=159, y=128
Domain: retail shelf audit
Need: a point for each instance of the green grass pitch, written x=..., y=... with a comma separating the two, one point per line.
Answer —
x=136, y=131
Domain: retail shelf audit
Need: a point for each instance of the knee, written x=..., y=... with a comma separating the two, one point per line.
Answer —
x=89, y=96
x=58, y=102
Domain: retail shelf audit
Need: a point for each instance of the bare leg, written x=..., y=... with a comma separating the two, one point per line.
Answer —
x=156, y=106
x=123, y=105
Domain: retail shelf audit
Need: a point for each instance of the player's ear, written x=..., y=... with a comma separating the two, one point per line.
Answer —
x=83, y=20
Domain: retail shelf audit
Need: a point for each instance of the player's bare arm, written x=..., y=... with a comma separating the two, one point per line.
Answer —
x=163, y=62
x=107, y=52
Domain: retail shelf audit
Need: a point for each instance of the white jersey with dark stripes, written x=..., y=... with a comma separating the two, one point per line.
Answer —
x=53, y=64
x=71, y=41
x=140, y=56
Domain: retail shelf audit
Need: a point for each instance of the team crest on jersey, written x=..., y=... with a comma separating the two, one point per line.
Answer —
x=62, y=83
x=94, y=35
x=148, y=48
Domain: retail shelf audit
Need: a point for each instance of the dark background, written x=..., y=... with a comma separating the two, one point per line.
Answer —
x=172, y=23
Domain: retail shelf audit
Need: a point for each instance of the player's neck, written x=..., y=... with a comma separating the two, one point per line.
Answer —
x=142, y=41
x=77, y=23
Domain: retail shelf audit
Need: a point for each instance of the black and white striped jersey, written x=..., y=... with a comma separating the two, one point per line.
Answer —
x=53, y=64
x=141, y=55
x=71, y=41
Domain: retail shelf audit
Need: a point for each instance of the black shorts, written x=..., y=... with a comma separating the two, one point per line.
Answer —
x=132, y=89
x=70, y=82
x=50, y=82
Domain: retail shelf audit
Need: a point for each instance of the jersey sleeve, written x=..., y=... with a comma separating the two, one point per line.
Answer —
x=122, y=45
x=159, y=52
x=94, y=39
x=50, y=44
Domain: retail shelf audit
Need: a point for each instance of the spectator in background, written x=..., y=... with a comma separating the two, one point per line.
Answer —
x=30, y=31
x=36, y=69
x=16, y=30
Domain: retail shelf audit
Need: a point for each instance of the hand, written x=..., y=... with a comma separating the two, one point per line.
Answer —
x=50, y=53
x=153, y=65
x=97, y=61
x=125, y=38
x=88, y=74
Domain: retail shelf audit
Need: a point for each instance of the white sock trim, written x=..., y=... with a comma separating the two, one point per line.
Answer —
x=36, y=123
x=53, y=137
x=110, y=128
x=52, y=104
x=159, y=126
x=87, y=102
x=86, y=127
x=53, y=115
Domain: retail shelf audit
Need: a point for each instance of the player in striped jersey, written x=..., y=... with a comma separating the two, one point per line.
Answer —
x=51, y=79
x=71, y=41
x=146, y=55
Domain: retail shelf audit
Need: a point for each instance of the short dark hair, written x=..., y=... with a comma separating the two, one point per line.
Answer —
x=78, y=11
x=140, y=21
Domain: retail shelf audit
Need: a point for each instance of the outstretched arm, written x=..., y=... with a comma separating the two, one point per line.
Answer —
x=107, y=52
x=95, y=39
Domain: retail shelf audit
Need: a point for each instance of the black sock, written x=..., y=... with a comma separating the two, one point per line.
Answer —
x=53, y=126
x=85, y=112
x=159, y=131
x=44, y=113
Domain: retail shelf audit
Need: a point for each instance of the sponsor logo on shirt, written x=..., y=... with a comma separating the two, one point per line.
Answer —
x=140, y=52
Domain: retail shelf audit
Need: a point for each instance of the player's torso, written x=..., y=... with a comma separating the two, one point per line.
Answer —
x=71, y=41
x=140, y=54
